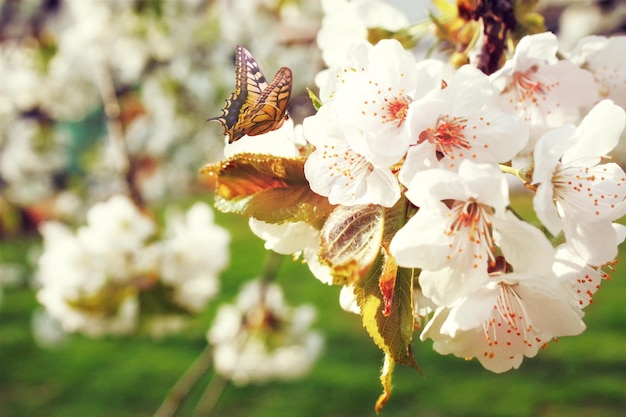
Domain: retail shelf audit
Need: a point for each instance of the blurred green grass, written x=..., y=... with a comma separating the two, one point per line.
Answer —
x=582, y=376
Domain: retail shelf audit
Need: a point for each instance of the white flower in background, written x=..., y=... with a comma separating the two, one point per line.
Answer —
x=65, y=262
x=61, y=102
x=461, y=122
x=577, y=19
x=104, y=33
x=604, y=58
x=539, y=88
x=89, y=279
x=192, y=255
x=461, y=222
x=577, y=194
x=75, y=289
x=337, y=171
x=288, y=28
x=116, y=223
x=85, y=44
x=347, y=22
x=160, y=126
x=21, y=84
x=26, y=166
x=260, y=338
x=509, y=317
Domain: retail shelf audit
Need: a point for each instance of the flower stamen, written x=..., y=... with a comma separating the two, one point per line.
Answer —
x=448, y=135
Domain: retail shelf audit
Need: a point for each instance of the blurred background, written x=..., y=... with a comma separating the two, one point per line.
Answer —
x=105, y=97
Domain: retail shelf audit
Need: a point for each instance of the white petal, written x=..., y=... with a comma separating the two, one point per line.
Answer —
x=487, y=184
x=422, y=242
x=598, y=133
x=523, y=245
x=596, y=242
x=470, y=312
x=551, y=313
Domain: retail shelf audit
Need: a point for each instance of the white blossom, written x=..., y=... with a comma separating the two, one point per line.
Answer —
x=347, y=22
x=461, y=122
x=338, y=171
x=260, y=338
x=509, y=317
x=461, y=222
x=544, y=91
x=577, y=194
x=88, y=279
x=603, y=57
x=192, y=255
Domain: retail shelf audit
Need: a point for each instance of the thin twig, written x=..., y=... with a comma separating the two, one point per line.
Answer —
x=179, y=392
x=270, y=266
x=209, y=397
x=112, y=110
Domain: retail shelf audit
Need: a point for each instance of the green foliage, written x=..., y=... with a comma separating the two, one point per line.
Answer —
x=579, y=376
x=391, y=332
x=314, y=99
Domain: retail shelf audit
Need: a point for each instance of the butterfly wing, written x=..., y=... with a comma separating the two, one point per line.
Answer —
x=270, y=110
x=249, y=86
x=255, y=82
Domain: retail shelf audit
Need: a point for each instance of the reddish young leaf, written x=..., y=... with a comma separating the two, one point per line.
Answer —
x=269, y=188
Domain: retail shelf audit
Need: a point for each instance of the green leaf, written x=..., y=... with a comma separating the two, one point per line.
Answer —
x=386, y=377
x=395, y=218
x=314, y=99
x=392, y=332
x=350, y=241
x=404, y=36
x=269, y=188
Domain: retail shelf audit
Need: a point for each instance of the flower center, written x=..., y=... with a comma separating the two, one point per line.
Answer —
x=528, y=87
x=471, y=220
x=447, y=135
x=525, y=81
x=397, y=109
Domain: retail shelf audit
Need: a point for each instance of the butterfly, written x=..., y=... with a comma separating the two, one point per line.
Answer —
x=255, y=107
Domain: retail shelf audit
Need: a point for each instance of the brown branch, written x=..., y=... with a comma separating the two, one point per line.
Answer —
x=498, y=18
x=112, y=110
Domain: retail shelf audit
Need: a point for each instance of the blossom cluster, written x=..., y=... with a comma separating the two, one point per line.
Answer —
x=260, y=338
x=402, y=187
x=104, y=99
x=388, y=129
x=105, y=277
x=417, y=160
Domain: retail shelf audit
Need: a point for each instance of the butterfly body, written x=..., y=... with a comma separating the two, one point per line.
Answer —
x=255, y=107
